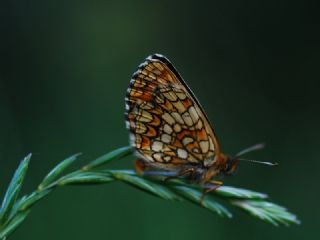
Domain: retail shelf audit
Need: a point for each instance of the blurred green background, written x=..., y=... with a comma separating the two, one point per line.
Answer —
x=254, y=66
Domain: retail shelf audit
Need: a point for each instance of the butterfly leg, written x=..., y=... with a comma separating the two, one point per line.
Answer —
x=181, y=173
x=215, y=186
x=139, y=166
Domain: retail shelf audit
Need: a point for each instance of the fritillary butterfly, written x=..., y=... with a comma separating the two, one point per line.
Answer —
x=168, y=127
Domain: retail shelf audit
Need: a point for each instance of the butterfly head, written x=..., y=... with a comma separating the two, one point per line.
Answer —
x=230, y=166
x=232, y=162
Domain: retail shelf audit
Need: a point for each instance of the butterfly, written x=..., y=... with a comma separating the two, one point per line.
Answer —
x=169, y=129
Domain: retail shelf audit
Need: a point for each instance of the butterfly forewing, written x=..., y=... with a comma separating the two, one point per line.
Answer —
x=166, y=122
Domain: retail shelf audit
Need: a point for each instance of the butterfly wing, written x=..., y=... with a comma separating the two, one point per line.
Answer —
x=166, y=122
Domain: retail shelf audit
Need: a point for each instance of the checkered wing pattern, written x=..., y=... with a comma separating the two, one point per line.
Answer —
x=166, y=122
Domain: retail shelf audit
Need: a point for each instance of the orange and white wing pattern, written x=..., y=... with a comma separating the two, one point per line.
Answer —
x=166, y=122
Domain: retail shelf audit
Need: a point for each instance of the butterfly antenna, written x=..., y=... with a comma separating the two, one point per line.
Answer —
x=255, y=161
x=251, y=149
x=256, y=147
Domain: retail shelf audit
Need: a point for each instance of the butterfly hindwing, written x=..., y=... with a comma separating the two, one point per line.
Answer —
x=166, y=122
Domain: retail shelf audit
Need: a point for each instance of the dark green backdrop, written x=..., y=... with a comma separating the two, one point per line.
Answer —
x=65, y=67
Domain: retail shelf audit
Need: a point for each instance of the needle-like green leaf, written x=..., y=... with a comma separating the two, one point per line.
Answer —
x=267, y=211
x=194, y=196
x=31, y=199
x=106, y=158
x=227, y=191
x=27, y=201
x=85, y=178
x=14, y=189
x=56, y=171
x=13, y=224
x=146, y=185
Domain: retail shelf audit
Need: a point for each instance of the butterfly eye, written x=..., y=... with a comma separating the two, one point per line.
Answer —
x=230, y=166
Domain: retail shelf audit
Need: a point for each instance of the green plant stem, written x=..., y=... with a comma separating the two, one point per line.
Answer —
x=14, y=210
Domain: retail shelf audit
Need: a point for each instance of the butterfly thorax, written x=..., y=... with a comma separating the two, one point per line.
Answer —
x=218, y=167
x=222, y=165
